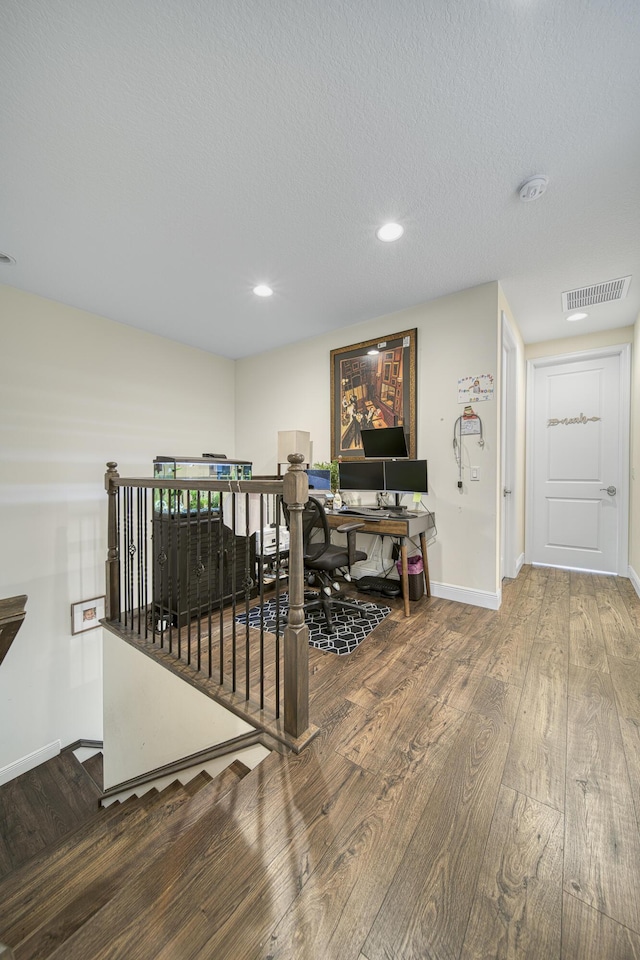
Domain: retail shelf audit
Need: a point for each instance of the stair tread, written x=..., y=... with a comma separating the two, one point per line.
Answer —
x=78, y=842
x=209, y=874
x=49, y=900
x=68, y=890
x=94, y=767
x=206, y=848
x=207, y=815
x=239, y=768
x=198, y=782
x=44, y=804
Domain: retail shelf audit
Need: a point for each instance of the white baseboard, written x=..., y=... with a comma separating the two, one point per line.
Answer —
x=13, y=770
x=635, y=580
x=477, y=598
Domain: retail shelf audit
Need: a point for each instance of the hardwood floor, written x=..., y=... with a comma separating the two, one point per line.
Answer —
x=503, y=818
x=474, y=793
x=41, y=806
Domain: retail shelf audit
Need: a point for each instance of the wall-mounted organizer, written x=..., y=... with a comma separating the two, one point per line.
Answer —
x=468, y=425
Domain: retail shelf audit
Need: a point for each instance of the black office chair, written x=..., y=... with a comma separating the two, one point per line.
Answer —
x=322, y=558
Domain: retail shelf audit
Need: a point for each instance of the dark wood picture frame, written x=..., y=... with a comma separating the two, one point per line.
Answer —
x=373, y=390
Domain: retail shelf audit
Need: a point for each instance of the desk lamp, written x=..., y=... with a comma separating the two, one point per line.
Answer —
x=293, y=441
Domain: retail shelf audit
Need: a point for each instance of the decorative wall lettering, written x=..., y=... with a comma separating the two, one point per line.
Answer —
x=475, y=388
x=554, y=421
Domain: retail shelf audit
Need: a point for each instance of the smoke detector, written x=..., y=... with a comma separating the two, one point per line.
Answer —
x=533, y=188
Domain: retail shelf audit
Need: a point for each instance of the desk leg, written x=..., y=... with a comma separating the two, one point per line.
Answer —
x=405, y=577
x=425, y=562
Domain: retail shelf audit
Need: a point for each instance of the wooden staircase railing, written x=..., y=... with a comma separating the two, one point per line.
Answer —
x=181, y=582
x=12, y=613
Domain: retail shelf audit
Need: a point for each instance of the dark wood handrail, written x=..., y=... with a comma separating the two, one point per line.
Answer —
x=12, y=613
x=217, y=486
x=186, y=763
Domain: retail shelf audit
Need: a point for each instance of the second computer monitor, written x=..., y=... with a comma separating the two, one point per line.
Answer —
x=405, y=476
x=361, y=475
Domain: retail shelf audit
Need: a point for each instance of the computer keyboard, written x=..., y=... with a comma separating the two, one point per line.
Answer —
x=375, y=513
x=370, y=513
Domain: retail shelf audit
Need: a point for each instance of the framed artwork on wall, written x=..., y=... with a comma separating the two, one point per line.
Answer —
x=86, y=614
x=373, y=386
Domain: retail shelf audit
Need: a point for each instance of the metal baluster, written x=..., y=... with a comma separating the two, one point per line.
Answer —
x=189, y=559
x=178, y=577
x=221, y=573
x=200, y=571
x=172, y=574
x=130, y=546
x=234, y=662
x=278, y=501
x=247, y=595
x=145, y=564
x=260, y=565
x=209, y=568
x=139, y=494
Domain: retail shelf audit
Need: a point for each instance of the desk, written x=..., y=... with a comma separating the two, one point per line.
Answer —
x=401, y=527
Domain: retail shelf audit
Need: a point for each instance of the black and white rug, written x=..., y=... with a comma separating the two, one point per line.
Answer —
x=351, y=628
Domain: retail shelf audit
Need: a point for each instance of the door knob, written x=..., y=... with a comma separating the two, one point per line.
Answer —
x=611, y=490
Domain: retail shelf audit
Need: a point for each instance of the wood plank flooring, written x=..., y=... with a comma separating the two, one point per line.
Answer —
x=474, y=793
x=500, y=814
x=42, y=805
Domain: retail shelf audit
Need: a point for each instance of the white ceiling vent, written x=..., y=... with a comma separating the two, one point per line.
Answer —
x=598, y=293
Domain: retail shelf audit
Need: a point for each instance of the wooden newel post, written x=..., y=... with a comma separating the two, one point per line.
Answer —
x=112, y=566
x=296, y=632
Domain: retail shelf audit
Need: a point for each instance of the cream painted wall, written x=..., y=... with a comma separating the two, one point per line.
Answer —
x=586, y=341
x=77, y=390
x=152, y=717
x=289, y=389
x=634, y=523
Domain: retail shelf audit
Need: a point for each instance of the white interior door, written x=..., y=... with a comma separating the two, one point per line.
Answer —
x=577, y=454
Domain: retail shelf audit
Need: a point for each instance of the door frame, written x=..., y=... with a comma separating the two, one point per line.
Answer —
x=623, y=350
x=508, y=563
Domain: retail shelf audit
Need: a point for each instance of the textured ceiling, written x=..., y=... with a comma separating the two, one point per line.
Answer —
x=160, y=158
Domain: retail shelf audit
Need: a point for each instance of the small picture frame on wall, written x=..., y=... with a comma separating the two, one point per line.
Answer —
x=86, y=614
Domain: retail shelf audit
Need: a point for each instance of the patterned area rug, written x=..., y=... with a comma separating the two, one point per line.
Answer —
x=351, y=628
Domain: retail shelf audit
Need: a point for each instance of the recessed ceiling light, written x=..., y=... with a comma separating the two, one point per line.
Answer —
x=577, y=316
x=372, y=353
x=5, y=258
x=389, y=232
x=262, y=290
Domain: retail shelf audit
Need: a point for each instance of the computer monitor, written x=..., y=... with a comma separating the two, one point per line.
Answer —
x=319, y=479
x=361, y=475
x=405, y=476
x=384, y=442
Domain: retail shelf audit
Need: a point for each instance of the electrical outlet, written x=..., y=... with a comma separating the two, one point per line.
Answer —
x=475, y=473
